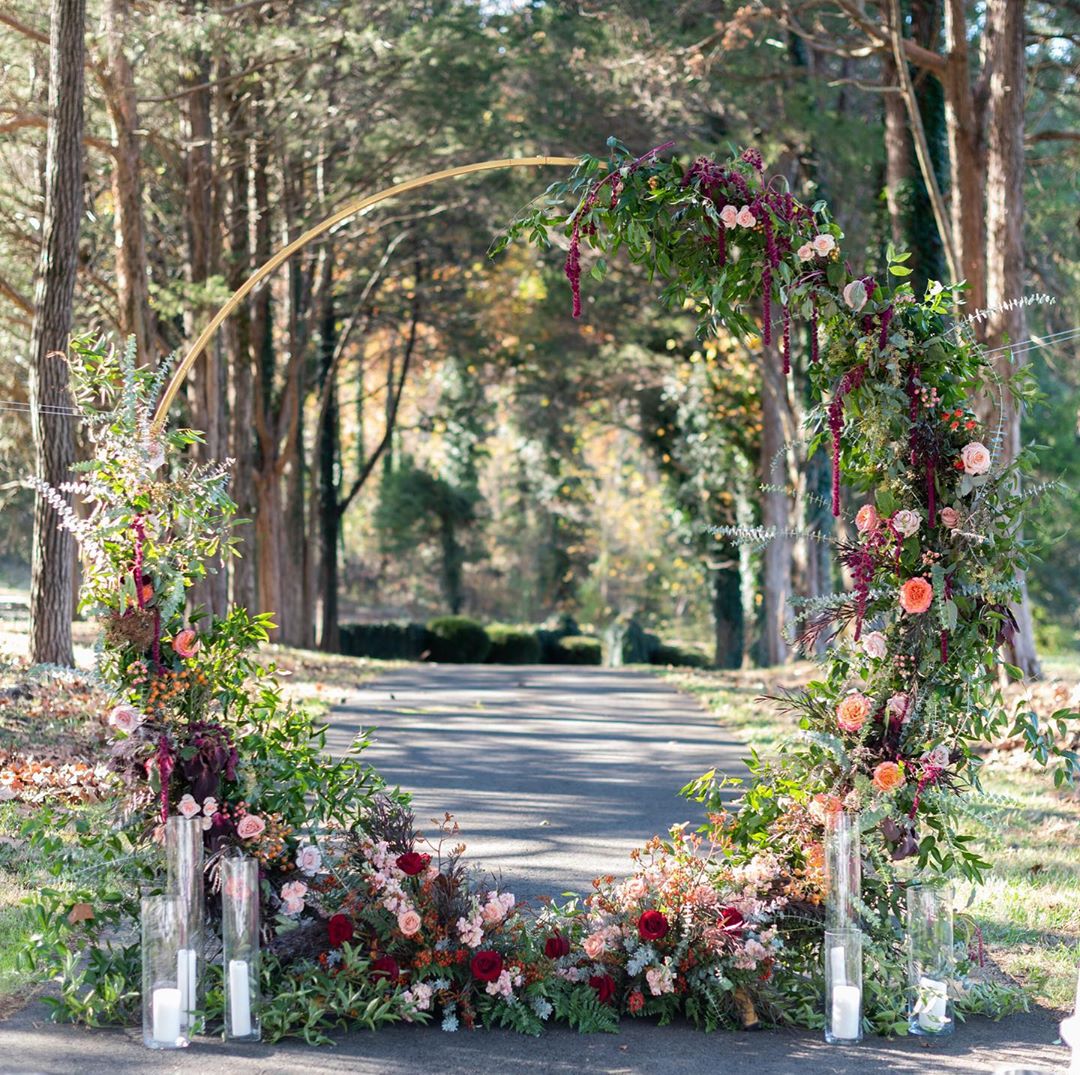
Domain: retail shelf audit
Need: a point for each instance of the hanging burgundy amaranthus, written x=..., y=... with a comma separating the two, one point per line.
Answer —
x=848, y=383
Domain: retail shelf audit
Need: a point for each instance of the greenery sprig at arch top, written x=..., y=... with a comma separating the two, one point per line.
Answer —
x=909, y=686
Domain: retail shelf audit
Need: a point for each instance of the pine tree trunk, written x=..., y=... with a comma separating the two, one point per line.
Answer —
x=727, y=612
x=328, y=438
x=132, y=292
x=1004, y=123
x=51, y=596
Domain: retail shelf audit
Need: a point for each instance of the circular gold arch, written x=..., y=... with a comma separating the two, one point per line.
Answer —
x=350, y=208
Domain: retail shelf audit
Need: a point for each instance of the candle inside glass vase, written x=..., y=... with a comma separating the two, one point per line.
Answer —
x=843, y=986
x=162, y=993
x=240, y=947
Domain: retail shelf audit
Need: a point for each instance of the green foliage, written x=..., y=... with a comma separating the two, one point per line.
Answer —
x=638, y=645
x=577, y=1004
x=579, y=649
x=513, y=645
x=385, y=641
x=679, y=656
x=459, y=640
x=550, y=637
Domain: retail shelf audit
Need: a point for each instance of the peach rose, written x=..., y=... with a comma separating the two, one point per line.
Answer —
x=594, y=945
x=186, y=643
x=294, y=890
x=745, y=218
x=251, y=825
x=822, y=805
x=950, y=517
x=806, y=252
x=976, y=458
x=187, y=806
x=636, y=888
x=852, y=712
x=409, y=923
x=916, y=595
x=867, y=519
x=888, y=776
x=823, y=244
x=729, y=216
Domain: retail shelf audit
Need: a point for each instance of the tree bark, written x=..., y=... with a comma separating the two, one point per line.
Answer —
x=51, y=598
x=132, y=294
x=1005, y=69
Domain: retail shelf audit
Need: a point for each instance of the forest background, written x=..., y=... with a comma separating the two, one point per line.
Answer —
x=419, y=429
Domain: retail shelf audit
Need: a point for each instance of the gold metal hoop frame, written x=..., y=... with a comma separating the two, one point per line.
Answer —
x=350, y=208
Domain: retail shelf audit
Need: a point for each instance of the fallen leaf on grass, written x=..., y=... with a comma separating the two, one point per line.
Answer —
x=80, y=912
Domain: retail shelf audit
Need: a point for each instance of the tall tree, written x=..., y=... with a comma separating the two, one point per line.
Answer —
x=54, y=439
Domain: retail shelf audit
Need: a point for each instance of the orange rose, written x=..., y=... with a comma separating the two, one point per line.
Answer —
x=916, y=595
x=852, y=712
x=888, y=776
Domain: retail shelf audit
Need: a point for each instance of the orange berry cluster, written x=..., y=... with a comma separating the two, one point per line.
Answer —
x=170, y=688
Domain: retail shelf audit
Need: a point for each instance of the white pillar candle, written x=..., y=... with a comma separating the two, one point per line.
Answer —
x=837, y=965
x=846, y=1013
x=1070, y=1034
x=186, y=979
x=239, y=998
x=933, y=999
x=166, y=1015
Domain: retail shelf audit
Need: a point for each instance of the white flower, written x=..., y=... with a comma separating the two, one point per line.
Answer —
x=450, y=1023
x=906, y=522
x=308, y=859
x=976, y=458
x=823, y=243
x=210, y=806
x=874, y=645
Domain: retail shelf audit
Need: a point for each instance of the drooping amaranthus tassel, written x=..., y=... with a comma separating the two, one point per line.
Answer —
x=166, y=762
x=766, y=305
x=572, y=268
x=931, y=492
x=848, y=383
x=136, y=572
x=813, y=332
x=883, y=337
x=721, y=245
x=861, y=565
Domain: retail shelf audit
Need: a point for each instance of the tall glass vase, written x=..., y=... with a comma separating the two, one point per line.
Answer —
x=930, y=959
x=184, y=857
x=240, y=947
x=843, y=871
x=162, y=1015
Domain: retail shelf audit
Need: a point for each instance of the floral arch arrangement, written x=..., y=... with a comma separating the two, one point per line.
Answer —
x=364, y=921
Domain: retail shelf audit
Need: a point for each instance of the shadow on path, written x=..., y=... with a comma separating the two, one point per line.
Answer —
x=555, y=774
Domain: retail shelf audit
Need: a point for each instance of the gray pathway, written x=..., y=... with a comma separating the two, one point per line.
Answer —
x=555, y=774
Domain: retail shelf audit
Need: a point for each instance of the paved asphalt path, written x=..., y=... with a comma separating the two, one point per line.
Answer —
x=554, y=774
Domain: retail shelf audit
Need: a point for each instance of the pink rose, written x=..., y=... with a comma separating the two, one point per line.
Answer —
x=293, y=890
x=874, y=645
x=251, y=825
x=187, y=806
x=950, y=517
x=729, y=216
x=906, y=522
x=493, y=913
x=409, y=923
x=746, y=219
x=938, y=757
x=806, y=252
x=186, y=643
x=636, y=888
x=976, y=458
x=855, y=295
x=308, y=859
x=897, y=706
x=594, y=945
x=823, y=244
x=867, y=519
x=125, y=718
x=292, y=907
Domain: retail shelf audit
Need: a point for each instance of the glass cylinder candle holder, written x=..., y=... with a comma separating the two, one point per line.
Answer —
x=843, y=986
x=843, y=870
x=184, y=860
x=930, y=959
x=240, y=947
x=163, y=1026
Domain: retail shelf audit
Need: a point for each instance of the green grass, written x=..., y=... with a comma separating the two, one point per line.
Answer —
x=1028, y=908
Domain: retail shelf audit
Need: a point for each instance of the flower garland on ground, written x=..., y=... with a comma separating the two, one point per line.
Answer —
x=364, y=921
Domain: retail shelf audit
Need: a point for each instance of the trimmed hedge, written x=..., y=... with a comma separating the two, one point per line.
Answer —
x=579, y=649
x=458, y=640
x=679, y=656
x=638, y=645
x=386, y=641
x=513, y=645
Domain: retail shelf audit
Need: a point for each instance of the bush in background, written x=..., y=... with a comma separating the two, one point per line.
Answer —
x=550, y=637
x=458, y=640
x=579, y=649
x=679, y=656
x=386, y=641
x=513, y=645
